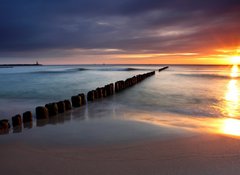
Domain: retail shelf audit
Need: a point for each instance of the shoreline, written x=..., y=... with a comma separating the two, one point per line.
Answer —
x=202, y=154
x=199, y=153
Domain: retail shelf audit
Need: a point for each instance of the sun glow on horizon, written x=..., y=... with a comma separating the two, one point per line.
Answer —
x=231, y=127
x=235, y=60
x=230, y=55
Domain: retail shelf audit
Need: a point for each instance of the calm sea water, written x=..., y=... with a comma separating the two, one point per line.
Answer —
x=189, y=91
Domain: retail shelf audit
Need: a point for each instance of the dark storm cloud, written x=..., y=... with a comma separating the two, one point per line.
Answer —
x=130, y=25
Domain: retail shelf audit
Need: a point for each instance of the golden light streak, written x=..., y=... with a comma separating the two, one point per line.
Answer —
x=229, y=51
x=149, y=55
x=226, y=126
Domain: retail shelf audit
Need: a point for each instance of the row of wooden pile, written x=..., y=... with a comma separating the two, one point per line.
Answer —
x=52, y=109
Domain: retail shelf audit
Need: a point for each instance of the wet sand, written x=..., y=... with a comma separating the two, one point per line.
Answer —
x=199, y=155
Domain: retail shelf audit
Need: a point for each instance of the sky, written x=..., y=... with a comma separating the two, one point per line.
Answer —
x=119, y=31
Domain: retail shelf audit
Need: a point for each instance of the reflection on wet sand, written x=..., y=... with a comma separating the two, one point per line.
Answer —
x=17, y=129
x=226, y=126
x=28, y=125
x=58, y=119
x=85, y=113
x=192, y=124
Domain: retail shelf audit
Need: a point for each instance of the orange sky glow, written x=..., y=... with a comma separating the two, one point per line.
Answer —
x=120, y=32
x=221, y=56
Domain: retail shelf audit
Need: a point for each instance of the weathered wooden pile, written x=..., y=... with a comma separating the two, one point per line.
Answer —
x=100, y=92
x=55, y=108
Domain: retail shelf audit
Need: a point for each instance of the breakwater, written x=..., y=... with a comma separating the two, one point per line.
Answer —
x=161, y=69
x=51, y=110
x=18, y=65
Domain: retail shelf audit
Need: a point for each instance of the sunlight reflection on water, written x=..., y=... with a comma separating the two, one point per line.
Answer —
x=231, y=126
x=232, y=98
x=234, y=71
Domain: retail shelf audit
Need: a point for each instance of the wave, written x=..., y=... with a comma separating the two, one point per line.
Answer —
x=112, y=69
x=59, y=71
x=88, y=69
x=121, y=69
x=53, y=71
x=94, y=69
x=210, y=76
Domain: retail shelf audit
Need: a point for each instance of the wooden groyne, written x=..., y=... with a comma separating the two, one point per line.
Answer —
x=161, y=69
x=51, y=110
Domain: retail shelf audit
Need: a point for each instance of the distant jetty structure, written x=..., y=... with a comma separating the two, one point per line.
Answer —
x=161, y=69
x=46, y=113
x=17, y=65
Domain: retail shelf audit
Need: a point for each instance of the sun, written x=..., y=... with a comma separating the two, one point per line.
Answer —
x=235, y=60
x=231, y=127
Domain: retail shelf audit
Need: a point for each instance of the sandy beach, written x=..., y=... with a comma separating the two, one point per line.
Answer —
x=201, y=155
x=133, y=144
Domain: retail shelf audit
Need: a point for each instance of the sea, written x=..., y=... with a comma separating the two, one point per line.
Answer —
x=179, y=100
